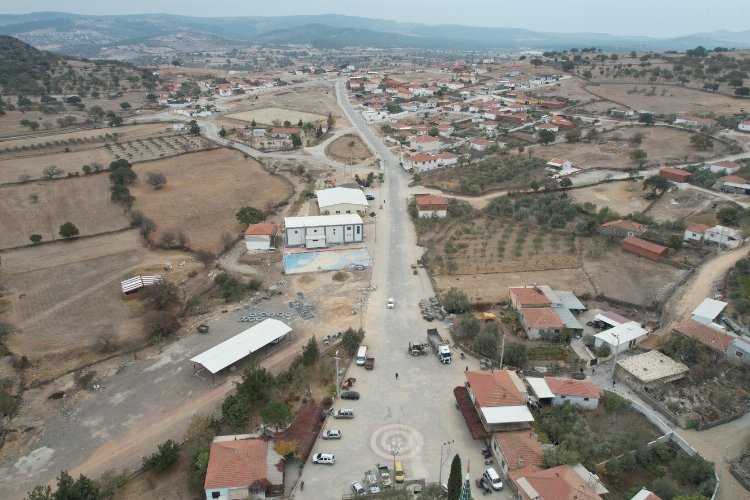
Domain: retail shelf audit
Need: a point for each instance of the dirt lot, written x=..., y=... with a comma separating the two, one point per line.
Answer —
x=667, y=98
x=623, y=197
x=265, y=116
x=84, y=201
x=631, y=278
x=339, y=149
x=202, y=204
x=661, y=144
x=73, y=293
x=686, y=203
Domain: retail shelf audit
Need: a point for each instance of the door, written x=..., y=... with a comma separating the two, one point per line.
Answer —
x=348, y=234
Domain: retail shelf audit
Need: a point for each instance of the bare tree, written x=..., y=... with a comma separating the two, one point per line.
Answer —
x=205, y=257
x=157, y=180
x=227, y=240
x=182, y=239
x=51, y=172
x=168, y=238
x=34, y=197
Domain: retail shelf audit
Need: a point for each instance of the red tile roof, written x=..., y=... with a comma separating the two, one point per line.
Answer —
x=431, y=200
x=733, y=178
x=262, y=229
x=286, y=130
x=625, y=225
x=481, y=142
x=238, y=463
x=541, y=317
x=529, y=296
x=425, y=138
x=571, y=387
x=494, y=388
x=646, y=245
x=520, y=449
x=710, y=337
x=698, y=228
x=725, y=164
x=560, y=483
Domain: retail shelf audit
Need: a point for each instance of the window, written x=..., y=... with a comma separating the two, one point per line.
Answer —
x=338, y=211
x=215, y=494
x=564, y=397
x=358, y=229
x=585, y=399
x=738, y=353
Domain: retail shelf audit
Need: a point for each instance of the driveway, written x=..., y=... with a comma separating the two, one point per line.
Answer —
x=416, y=413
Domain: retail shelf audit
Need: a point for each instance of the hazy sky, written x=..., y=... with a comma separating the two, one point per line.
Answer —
x=658, y=18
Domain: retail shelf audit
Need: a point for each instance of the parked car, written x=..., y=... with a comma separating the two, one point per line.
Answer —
x=483, y=485
x=369, y=197
x=344, y=413
x=350, y=395
x=331, y=434
x=323, y=458
x=391, y=303
x=358, y=489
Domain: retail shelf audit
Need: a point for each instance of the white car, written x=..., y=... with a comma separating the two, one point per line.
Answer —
x=358, y=488
x=331, y=434
x=391, y=303
x=323, y=458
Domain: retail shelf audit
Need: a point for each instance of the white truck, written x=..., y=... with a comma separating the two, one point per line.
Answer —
x=441, y=347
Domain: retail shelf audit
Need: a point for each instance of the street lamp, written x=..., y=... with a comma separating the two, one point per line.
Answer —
x=442, y=462
x=338, y=385
x=394, y=446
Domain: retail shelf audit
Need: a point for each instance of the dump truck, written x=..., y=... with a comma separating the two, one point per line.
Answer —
x=418, y=348
x=441, y=347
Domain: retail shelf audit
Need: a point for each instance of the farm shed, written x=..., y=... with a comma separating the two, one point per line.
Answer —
x=707, y=311
x=261, y=236
x=320, y=231
x=243, y=344
x=675, y=174
x=133, y=285
x=650, y=367
x=341, y=200
x=644, y=248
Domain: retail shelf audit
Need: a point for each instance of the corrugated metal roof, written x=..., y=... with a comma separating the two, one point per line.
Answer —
x=341, y=195
x=137, y=282
x=568, y=318
x=709, y=308
x=540, y=387
x=506, y=414
x=622, y=334
x=322, y=220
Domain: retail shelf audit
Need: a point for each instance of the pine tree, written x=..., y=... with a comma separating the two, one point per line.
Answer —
x=454, y=480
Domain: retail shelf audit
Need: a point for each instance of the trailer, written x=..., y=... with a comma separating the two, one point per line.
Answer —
x=440, y=346
x=369, y=363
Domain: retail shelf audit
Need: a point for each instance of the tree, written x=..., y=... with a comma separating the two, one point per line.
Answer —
x=546, y=136
x=277, y=414
x=352, y=339
x=486, y=342
x=162, y=295
x=160, y=324
x=742, y=91
x=287, y=447
x=36, y=238
x=455, y=479
x=114, y=121
x=573, y=135
x=565, y=182
x=702, y=142
x=86, y=169
x=222, y=132
x=157, y=180
x=205, y=257
x=729, y=216
x=163, y=459
x=516, y=354
x=536, y=62
x=310, y=352
x=534, y=186
x=82, y=488
x=199, y=433
x=468, y=326
x=455, y=301
x=68, y=230
x=656, y=183
x=256, y=384
x=121, y=172
x=249, y=215
x=235, y=411
x=195, y=129
x=638, y=156
x=51, y=172
x=296, y=141
x=647, y=118
x=125, y=105
x=434, y=132
x=331, y=121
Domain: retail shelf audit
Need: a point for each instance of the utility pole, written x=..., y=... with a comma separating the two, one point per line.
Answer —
x=502, y=352
x=617, y=349
x=442, y=462
x=338, y=385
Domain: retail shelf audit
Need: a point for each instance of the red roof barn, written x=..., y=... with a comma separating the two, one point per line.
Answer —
x=675, y=174
x=644, y=248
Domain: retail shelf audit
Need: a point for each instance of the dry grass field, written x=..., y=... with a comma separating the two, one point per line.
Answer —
x=339, y=149
x=266, y=116
x=204, y=190
x=685, y=204
x=65, y=297
x=661, y=144
x=623, y=197
x=84, y=201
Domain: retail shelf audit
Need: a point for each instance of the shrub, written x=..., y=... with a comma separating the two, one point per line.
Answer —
x=163, y=459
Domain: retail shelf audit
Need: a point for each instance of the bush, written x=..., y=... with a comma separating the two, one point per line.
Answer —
x=163, y=459
x=455, y=301
x=665, y=488
x=160, y=324
x=68, y=230
x=161, y=295
x=352, y=339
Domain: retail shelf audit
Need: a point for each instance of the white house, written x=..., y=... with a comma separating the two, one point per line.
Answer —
x=425, y=144
x=430, y=205
x=695, y=232
x=724, y=236
x=321, y=231
x=375, y=115
x=707, y=312
x=724, y=165
x=621, y=337
x=582, y=393
x=744, y=126
x=178, y=127
x=340, y=200
x=480, y=144
x=261, y=236
x=560, y=164
x=421, y=162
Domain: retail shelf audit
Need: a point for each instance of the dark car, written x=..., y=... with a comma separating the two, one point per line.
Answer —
x=369, y=197
x=350, y=395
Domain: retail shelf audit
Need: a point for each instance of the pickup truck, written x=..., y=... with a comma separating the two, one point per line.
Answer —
x=440, y=346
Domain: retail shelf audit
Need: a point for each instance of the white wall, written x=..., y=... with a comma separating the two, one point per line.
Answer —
x=343, y=208
x=433, y=213
x=586, y=403
x=257, y=242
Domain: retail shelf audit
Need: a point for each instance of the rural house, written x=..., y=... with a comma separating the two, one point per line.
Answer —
x=622, y=228
x=724, y=166
x=425, y=144
x=243, y=466
x=713, y=338
x=321, y=231
x=261, y=236
x=286, y=132
x=583, y=393
x=744, y=126
x=545, y=312
x=421, y=162
x=738, y=352
x=621, y=337
x=732, y=184
x=499, y=398
x=480, y=144
x=724, y=236
x=560, y=164
x=517, y=451
x=707, y=312
x=695, y=232
x=644, y=248
x=430, y=205
x=650, y=367
x=340, y=200
x=675, y=174
x=563, y=482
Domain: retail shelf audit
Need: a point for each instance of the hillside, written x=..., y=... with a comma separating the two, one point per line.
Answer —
x=30, y=71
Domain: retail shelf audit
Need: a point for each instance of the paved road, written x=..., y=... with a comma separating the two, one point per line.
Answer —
x=417, y=412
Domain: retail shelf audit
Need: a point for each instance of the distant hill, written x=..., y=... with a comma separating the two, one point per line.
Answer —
x=90, y=36
x=30, y=71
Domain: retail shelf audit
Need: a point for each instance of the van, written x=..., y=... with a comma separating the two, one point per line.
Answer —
x=361, y=355
x=493, y=478
x=344, y=413
x=323, y=458
x=398, y=473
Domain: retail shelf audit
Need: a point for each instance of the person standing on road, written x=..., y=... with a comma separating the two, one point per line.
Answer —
x=396, y=375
